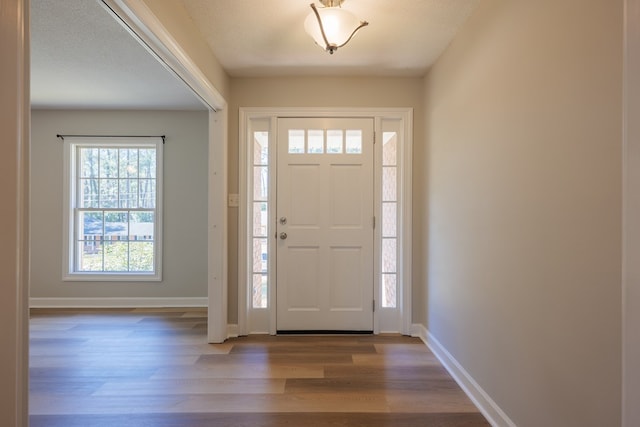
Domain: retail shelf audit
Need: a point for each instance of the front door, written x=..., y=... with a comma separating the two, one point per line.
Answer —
x=325, y=221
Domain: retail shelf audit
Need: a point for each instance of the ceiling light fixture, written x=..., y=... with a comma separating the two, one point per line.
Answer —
x=331, y=26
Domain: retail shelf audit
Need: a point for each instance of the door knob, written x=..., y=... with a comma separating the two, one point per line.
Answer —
x=283, y=235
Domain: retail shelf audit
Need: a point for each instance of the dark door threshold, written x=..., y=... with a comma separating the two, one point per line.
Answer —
x=323, y=332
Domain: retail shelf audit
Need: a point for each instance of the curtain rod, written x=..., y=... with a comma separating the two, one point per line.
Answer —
x=62, y=137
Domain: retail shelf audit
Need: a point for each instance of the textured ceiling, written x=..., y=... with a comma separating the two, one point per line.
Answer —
x=262, y=38
x=81, y=57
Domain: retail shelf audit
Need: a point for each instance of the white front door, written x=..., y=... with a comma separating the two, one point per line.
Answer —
x=325, y=224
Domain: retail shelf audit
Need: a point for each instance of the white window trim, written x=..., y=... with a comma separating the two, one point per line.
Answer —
x=69, y=202
x=250, y=320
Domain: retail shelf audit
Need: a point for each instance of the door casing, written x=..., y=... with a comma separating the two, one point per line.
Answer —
x=263, y=320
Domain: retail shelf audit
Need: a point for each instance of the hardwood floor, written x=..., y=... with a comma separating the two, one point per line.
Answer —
x=153, y=367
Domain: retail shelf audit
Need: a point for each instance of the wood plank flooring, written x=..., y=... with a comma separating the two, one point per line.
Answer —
x=153, y=367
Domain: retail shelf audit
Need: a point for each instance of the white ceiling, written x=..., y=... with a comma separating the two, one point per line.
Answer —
x=83, y=58
x=267, y=37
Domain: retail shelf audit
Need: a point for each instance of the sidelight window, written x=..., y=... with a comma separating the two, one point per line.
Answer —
x=389, y=219
x=260, y=215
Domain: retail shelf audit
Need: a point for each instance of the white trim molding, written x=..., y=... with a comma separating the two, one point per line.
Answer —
x=217, y=227
x=135, y=302
x=489, y=408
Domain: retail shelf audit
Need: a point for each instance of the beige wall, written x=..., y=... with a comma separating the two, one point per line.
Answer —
x=14, y=122
x=523, y=119
x=177, y=21
x=309, y=92
x=185, y=200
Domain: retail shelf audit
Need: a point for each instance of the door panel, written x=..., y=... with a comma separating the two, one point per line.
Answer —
x=304, y=188
x=346, y=281
x=304, y=295
x=325, y=210
x=346, y=196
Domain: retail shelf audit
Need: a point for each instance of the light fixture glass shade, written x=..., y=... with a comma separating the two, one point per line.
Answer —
x=339, y=26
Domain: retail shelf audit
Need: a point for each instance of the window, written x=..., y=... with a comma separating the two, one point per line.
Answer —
x=389, y=219
x=315, y=141
x=113, y=206
x=260, y=215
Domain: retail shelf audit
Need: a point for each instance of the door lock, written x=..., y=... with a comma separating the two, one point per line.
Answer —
x=283, y=220
x=283, y=235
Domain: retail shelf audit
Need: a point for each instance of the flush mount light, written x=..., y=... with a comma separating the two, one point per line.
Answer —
x=331, y=26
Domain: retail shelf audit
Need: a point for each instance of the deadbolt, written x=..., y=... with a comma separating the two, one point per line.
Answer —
x=283, y=220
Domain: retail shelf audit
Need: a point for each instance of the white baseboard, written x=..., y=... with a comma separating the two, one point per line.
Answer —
x=117, y=302
x=490, y=409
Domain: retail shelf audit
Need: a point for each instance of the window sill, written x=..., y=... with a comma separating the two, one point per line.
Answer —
x=111, y=277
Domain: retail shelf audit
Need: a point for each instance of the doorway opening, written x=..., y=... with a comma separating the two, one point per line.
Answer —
x=324, y=220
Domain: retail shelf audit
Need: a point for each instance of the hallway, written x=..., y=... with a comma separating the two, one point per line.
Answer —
x=153, y=367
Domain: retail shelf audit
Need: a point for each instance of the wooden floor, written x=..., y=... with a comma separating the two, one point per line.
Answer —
x=154, y=368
